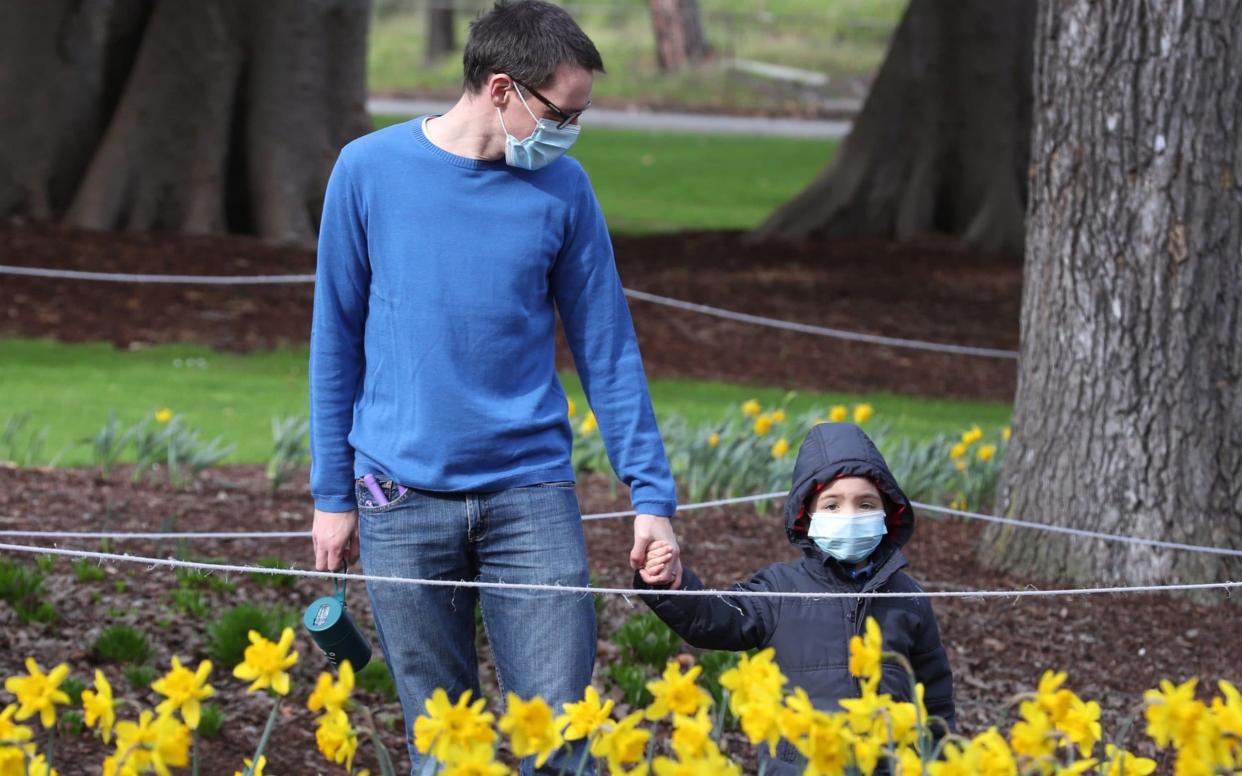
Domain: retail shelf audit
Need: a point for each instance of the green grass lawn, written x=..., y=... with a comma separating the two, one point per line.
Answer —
x=69, y=389
x=843, y=38
x=663, y=181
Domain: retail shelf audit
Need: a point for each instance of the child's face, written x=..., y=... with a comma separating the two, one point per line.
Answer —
x=849, y=496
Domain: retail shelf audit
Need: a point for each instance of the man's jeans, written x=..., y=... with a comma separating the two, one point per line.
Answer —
x=543, y=642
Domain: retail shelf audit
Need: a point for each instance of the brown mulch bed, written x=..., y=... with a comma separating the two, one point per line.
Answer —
x=924, y=292
x=1113, y=647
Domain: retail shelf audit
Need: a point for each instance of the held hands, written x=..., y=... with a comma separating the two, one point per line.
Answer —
x=656, y=555
x=335, y=536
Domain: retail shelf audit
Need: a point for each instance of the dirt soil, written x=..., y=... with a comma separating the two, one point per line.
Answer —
x=1113, y=647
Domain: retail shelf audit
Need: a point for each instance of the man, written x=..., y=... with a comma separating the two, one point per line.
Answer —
x=439, y=434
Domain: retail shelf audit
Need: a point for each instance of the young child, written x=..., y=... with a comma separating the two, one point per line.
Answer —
x=850, y=519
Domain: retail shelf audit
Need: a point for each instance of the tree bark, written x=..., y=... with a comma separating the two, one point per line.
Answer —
x=1128, y=416
x=942, y=142
x=441, y=37
x=163, y=115
x=679, y=37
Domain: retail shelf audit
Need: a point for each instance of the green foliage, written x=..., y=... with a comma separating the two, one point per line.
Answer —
x=228, y=636
x=211, y=721
x=290, y=448
x=107, y=445
x=140, y=677
x=73, y=688
x=632, y=680
x=377, y=678
x=204, y=578
x=45, y=563
x=715, y=663
x=123, y=643
x=18, y=444
x=71, y=721
x=189, y=601
x=274, y=580
x=85, y=571
x=22, y=587
x=176, y=446
x=644, y=639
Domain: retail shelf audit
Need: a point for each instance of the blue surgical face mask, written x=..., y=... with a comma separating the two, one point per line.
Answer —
x=848, y=538
x=544, y=146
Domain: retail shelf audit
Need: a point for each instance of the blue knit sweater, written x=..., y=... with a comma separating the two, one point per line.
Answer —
x=432, y=343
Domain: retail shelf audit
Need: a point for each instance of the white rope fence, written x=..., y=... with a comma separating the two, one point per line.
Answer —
x=1137, y=540
x=622, y=591
x=823, y=331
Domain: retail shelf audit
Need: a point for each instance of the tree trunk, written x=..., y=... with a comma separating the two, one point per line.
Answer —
x=1128, y=416
x=441, y=39
x=679, y=38
x=942, y=142
x=163, y=115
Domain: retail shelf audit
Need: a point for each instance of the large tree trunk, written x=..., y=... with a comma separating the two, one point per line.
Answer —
x=1129, y=405
x=196, y=117
x=679, y=37
x=441, y=38
x=942, y=142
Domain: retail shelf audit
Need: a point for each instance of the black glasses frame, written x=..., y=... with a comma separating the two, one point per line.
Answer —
x=565, y=117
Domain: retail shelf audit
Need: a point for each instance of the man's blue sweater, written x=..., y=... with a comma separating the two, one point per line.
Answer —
x=432, y=357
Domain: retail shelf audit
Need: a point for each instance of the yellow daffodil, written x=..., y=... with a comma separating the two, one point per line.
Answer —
x=756, y=678
x=778, y=415
x=38, y=692
x=973, y=435
x=251, y=768
x=866, y=653
x=838, y=414
x=588, y=424
x=336, y=737
x=692, y=736
x=448, y=730
x=864, y=711
x=795, y=716
x=958, y=503
x=763, y=424
x=10, y=731
x=1051, y=697
x=826, y=746
x=13, y=759
x=677, y=693
x=751, y=408
x=1121, y=762
x=531, y=728
x=1006, y=432
x=583, y=718
x=330, y=695
x=1033, y=736
x=961, y=466
x=153, y=742
x=781, y=448
x=265, y=662
x=163, y=415
x=908, y=763
x=1081, y=724
x=760, y=721
x=479, y=760
x=986, y=452
x=989, y=755
x=862, y=413
x=99, y=707
x=573, y=408
x=713, y=440
x=957, y=451
x=184, y=690
x=1228, y=711
x=712, y=764
x=1172, y=713
x=623, y=744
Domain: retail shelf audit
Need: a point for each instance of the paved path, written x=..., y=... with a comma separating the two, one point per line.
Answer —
x=698, y=123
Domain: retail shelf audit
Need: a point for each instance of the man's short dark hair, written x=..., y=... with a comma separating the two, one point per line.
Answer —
x=528, y=40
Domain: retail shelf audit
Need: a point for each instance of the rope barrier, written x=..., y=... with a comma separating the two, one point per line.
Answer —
x=823, y=331
x=622, y=591
x=25, y=534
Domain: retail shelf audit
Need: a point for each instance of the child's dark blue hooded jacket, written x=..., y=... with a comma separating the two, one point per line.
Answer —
x=811, y=637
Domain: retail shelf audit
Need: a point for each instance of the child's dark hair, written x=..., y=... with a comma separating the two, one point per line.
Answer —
x=527, y=40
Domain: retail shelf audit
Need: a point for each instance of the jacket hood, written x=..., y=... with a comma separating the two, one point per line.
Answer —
x=834, y=450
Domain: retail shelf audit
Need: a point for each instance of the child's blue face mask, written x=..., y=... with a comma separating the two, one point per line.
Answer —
x=848, y=538
x=544, y=146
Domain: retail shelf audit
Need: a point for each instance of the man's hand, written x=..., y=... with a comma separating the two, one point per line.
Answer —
x=650, y=528
x=335, y=536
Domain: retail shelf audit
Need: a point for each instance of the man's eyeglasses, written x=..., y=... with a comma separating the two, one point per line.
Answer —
x=563, y=117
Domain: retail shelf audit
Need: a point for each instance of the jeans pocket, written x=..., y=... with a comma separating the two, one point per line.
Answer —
x=560, y=484
x=392, y=492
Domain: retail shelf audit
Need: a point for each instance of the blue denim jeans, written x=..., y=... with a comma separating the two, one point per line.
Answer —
x=543, y=642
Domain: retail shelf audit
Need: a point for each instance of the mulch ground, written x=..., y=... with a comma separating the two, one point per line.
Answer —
x=1114, y=647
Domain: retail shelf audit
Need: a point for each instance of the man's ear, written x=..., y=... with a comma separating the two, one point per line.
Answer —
x=498, y=87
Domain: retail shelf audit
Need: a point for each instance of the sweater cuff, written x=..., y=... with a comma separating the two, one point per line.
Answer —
x=336, y=503
x=656, y=508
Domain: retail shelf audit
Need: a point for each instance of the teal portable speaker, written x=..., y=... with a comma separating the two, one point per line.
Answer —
x=335, y=632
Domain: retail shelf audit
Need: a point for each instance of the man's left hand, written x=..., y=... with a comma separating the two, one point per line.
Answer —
x=648, y=528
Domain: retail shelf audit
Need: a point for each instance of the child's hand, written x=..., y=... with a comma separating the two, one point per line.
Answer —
x=659, y=554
